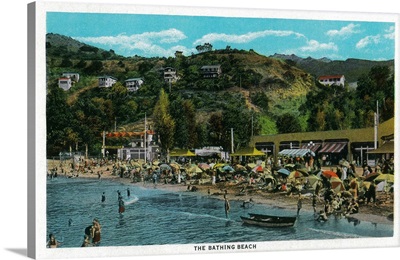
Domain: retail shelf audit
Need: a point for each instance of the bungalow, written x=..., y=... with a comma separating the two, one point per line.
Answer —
x=133, y=84
x=169, y=74
x=211, y=71
x=72, y=75
x=106, y=81
x=329, y=80
x=65, y=83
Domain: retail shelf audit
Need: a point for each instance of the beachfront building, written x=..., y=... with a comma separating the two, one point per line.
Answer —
x=133, y=84
x=65, y=83
x=72, y=75
x=211, y=71
x=106, y=81
x=332, y=146
x=329, y=80
x=136, y=145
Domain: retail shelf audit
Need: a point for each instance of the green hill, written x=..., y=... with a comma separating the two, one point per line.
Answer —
x=254, y=94
x=245, y=72
x=353, y=69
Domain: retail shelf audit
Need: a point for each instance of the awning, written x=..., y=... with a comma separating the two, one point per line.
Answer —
x=181, y=153
x=313, y=148
x=248, y=151
x=387, y=147
x=296, y=152
x=332, y=147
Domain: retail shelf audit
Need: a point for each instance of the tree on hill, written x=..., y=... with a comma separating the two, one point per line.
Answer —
x=164, y=123
x=184, y=114
x=204, y=48
x=288, y=123
x=58, y=119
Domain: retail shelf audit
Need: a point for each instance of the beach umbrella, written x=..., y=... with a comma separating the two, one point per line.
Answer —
x=385, y=177
x=239, y=167
x=204, y=166
x=284, y=171
x=165, y=166
x=366, y=184
x=372, y=176
x=383, y=186
x=304, y=171
x=313, y=180
x=176, y=166
x=194, y=169
x=135, y=165
x=289, y=165
x=258, y=168
x=227, y=168
x=251, y=165
x=336, y=184
x=295, y=175
x=219, y=165
x=155, y=162
x=329, y=174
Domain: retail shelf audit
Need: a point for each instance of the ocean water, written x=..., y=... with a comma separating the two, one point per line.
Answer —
x=158, y=217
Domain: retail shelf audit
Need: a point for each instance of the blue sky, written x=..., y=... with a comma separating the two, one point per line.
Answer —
x=162, y=35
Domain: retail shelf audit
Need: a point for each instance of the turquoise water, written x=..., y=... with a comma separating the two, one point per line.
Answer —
x=161, y=217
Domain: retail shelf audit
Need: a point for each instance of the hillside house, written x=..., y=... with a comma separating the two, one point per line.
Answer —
x=211, y=71
x=65, y=83
x=106, y=81
x=169, y=74
x=72, y=75
x=329, y=80
x=133, y=84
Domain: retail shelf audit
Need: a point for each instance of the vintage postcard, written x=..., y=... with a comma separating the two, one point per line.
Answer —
x=160, y=130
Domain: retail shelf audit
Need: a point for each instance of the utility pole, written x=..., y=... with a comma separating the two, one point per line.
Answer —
x=145, y=137
x=376, y=123
x=104, y=144
x=252, y=124
x=232, y=150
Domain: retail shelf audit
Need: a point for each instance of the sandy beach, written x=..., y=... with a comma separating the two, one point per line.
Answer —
x=374, y=213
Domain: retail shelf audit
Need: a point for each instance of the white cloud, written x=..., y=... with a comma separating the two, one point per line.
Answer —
x=364, y=42
x=314, y=46
x=244, y=38
x=344, y=31
x=389, y=33
x=147, y=42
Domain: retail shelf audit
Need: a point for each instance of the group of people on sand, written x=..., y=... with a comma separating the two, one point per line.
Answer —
x=92, y=236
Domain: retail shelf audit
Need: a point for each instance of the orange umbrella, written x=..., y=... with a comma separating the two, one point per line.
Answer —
x=295, y=174
x=337, y=184
x=329, y=174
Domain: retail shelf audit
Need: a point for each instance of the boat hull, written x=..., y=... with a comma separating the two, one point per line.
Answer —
x=268, y=220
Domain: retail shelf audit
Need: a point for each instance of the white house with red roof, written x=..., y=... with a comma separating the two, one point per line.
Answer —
x=65, y=83
x=332, y=80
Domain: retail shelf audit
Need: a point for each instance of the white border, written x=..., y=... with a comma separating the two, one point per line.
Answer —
x=37, y=187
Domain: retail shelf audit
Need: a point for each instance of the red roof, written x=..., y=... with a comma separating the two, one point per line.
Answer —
x=330, y=77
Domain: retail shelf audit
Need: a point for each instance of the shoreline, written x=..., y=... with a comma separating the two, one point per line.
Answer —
x=367, y=213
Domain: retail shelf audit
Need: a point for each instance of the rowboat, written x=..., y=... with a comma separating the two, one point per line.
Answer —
x=268, y=220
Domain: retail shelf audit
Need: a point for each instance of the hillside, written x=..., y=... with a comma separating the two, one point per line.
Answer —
x=353, y=69
x=251, y=93
x=245, y=72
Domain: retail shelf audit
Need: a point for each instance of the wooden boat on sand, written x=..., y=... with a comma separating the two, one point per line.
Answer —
x=268, y=220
